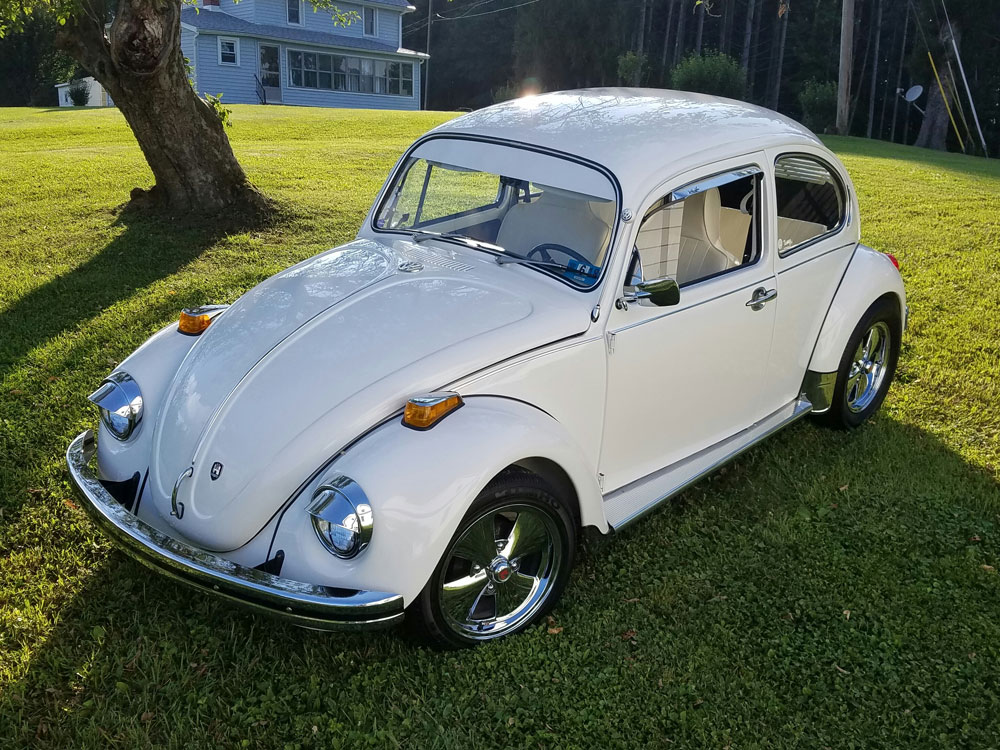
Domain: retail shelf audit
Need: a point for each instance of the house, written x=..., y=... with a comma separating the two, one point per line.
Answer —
x=98, y=96
x=285, y=52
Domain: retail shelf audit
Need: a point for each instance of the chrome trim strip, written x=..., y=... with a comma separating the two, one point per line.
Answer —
x=816, y=257
x=304, y=604
x=679, y=476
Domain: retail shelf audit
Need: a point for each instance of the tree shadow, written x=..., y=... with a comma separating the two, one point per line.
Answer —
x=139, y=650
x=151, y=248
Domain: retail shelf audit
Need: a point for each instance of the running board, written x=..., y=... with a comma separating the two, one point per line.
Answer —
x=633, y=501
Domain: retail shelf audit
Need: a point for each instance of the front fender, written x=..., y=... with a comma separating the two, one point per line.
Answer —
x=421, y=484
x=152, y=366
x=869, y=275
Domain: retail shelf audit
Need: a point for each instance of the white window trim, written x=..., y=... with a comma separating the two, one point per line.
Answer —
x=301, y=21
x=236, y=46
x=374, y=11
x=291, y=85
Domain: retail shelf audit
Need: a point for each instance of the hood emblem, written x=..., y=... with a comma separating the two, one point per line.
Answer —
x=216, y=471
x=411, y=266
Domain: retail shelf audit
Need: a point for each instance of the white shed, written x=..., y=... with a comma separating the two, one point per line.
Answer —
x=98, y=96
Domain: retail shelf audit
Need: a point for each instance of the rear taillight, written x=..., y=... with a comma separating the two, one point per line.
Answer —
x=893, y=259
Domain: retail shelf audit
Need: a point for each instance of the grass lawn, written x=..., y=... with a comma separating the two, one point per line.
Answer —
x=826, y=590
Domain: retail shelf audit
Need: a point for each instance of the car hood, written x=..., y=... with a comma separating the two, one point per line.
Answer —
x=310, y=359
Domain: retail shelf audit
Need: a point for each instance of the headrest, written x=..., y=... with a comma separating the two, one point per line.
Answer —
x=702, y=217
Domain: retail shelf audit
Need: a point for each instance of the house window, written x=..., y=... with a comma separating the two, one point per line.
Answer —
x=229, y=50
x=371, y=22
x=294, y=9
x=361, y=75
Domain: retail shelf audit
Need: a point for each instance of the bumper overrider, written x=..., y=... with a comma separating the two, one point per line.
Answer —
x=304, y=604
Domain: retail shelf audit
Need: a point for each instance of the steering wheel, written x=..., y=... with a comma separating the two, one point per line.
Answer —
x=543, y=251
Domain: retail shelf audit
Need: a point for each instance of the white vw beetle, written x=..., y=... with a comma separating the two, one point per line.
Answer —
x=560, y=312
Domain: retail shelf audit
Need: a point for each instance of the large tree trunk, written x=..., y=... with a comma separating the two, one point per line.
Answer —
x=184, y=142
x=680, y=48
x=747, y=31
x=701, y=28
x=874, y=84
x=934, y=128
x=778, y=53
x=671, y=4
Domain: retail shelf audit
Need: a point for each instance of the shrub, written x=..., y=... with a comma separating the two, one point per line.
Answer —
x=819, y=105
x=710, y=73
x=630, y=68
x=79, y=93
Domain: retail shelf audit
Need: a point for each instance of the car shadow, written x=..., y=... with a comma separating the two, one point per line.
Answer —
x=122, y=638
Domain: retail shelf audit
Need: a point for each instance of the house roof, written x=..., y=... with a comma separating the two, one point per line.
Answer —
x=223, y=23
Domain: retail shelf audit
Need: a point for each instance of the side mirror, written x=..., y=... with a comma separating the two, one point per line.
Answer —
x=660, y=292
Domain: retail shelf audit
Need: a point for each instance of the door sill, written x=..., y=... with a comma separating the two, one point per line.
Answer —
x=634, y=500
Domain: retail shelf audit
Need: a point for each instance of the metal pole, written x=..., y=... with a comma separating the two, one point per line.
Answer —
x=899, y=77
x=961, y=69
x=427, y=62
x=846, y=62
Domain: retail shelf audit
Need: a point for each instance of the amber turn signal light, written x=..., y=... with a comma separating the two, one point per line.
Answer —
x=423, y=412
x=193, y=322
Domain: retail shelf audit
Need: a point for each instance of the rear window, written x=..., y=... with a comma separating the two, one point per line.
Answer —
x=810, y=201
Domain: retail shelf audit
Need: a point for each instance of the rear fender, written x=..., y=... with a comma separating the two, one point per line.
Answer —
x=421, y=483
x=869, y=275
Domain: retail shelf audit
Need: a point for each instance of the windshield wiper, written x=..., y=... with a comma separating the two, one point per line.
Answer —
x=422, y=235
x=509, y=257
x=501, y=254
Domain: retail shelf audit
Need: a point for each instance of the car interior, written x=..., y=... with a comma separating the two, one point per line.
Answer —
x=701, y=236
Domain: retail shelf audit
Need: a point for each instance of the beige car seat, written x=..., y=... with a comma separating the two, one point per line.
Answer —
x=557, y=218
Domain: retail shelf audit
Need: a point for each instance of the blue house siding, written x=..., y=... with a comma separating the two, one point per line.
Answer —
x=388, y=26
x=275, y=12
x=236, y=83
x=243, y=9
x=187, y=47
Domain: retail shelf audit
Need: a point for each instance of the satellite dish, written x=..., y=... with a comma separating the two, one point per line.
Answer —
x=914, y=93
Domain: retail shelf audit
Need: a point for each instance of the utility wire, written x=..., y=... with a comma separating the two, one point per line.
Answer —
x=439, y=18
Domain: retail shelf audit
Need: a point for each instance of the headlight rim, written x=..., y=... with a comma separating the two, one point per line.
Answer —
x=336, y=502
x=123, y=395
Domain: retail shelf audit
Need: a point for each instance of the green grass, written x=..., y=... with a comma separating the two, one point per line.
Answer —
x=827, y=590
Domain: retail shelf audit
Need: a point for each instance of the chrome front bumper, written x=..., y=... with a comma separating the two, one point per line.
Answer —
x=305, y=604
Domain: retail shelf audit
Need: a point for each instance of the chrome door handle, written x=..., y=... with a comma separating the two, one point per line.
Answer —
x=761, y=296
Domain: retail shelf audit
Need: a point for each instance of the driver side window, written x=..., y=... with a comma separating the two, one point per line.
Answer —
x=700, y=231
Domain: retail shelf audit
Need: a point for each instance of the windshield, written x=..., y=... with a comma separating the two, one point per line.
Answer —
x=517, y=212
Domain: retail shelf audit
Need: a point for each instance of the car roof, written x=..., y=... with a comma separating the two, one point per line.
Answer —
x=641, y=135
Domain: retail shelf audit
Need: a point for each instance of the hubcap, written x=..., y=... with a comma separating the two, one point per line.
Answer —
x=500, y=571
x=868, y=371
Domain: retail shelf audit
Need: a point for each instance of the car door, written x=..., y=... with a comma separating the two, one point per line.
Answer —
x=814, y=238
x=683, y=377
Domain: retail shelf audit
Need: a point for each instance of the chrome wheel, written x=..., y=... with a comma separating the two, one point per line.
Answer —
x=869, y=368
x=499, y=571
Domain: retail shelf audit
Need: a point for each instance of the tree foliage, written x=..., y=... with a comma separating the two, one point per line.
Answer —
x=711, y=73
x=819, y=105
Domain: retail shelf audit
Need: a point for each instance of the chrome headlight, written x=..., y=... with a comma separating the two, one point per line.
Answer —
x=119, y=401
x=342, y=516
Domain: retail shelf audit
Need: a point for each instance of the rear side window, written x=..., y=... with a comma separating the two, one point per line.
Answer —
x=810, y=201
